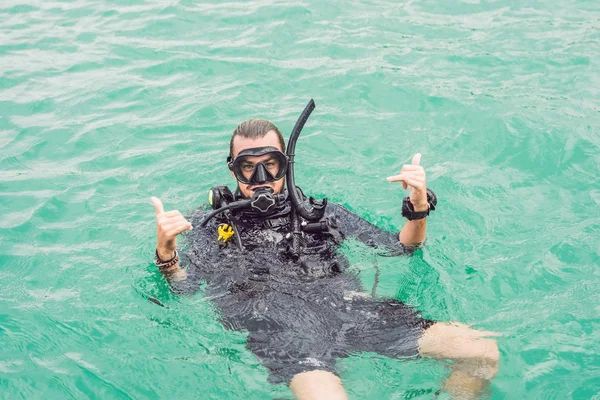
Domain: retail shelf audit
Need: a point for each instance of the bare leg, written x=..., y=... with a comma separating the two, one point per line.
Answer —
x=475, y=357
x=317, y=385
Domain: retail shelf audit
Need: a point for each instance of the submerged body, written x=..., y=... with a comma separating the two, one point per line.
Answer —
x=301, y=312
x=287, y=284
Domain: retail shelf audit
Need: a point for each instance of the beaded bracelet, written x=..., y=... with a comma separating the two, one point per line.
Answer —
x=166, y=264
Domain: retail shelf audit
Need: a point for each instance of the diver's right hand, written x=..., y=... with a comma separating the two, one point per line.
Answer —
x=168, y=225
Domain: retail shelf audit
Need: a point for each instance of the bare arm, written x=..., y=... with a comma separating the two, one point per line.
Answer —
x=412, y=176
x=168, y=225
x=174, y=273
x=413, y=232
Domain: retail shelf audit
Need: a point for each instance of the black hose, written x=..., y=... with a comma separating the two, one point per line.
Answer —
x=310, y=210
x=230, y=206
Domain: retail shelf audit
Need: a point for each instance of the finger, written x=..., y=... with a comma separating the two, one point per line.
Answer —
x=172, y=213
x=408, y=179
x=418, y=174
x=158, y=205
x=162, y=220
x=395, y=178
x=406, y=175
x=176, y=223
x=398, y=178
x=415, y=171
x=177, y=229
x=413, y=175
x=410, y=167
x=416, y=160
x=165, y=226
x=415, y=183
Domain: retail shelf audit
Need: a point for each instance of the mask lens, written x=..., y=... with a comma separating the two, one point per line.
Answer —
x=261, y=168
x=247, y=168
x=272, y=166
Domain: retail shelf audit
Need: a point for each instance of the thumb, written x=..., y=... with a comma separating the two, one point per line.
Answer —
x=158, y=205
x=416, y=160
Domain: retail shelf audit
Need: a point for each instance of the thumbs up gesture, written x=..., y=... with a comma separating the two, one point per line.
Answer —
x=169, y=224
x=413, y=177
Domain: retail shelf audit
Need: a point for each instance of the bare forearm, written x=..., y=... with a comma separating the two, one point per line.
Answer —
x=173, y=273
x=168, y=225
x=413, y=177
x=414, y=232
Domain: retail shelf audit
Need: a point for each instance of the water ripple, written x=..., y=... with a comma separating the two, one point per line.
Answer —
x=104, y=104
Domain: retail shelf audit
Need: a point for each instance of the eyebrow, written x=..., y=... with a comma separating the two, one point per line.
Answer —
x=268, y=159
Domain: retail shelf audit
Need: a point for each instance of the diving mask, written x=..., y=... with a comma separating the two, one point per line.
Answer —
x=258, y=165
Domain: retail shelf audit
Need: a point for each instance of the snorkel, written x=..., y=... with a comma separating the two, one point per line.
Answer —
x=311, y=210
x=264, y=200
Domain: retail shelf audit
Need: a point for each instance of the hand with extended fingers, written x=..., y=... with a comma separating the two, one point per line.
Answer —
x=413, y=177
x=168, y=225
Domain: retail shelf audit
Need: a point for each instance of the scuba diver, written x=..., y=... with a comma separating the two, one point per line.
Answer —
x=270, y=260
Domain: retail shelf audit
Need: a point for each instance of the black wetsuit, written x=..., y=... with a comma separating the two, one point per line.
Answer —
x=301, y=313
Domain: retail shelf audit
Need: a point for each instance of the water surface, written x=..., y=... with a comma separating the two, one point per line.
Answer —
x=106, y=103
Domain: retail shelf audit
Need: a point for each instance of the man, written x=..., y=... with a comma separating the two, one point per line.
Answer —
x=300, y=309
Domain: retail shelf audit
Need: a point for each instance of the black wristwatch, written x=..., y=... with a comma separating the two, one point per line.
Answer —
x=408, y=211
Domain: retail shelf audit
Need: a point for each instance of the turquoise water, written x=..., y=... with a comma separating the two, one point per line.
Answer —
x=106, y=103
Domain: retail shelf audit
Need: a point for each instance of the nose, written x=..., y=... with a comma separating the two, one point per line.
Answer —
x=260, y=175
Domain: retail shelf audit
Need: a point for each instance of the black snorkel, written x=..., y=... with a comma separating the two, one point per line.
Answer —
x=311, y=210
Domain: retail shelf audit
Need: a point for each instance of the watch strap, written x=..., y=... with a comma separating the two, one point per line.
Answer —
x=408, y=210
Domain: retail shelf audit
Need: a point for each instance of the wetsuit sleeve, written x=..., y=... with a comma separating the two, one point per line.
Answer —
x=351, y=225
x=197, y=256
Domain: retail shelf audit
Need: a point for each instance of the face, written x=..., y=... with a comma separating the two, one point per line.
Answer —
x=242, y=143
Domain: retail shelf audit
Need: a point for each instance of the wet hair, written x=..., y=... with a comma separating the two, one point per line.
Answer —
x=254, y=129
